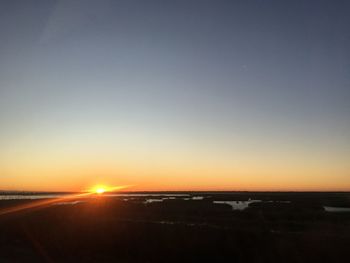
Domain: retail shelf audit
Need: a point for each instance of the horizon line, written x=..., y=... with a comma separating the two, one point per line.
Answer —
x=183, y=191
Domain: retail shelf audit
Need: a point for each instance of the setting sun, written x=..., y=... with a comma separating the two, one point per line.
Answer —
x=100, y=190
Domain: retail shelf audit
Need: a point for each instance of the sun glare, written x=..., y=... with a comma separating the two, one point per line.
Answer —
x=100, y=191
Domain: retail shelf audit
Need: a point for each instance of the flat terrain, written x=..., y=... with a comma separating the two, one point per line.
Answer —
x=280, y=227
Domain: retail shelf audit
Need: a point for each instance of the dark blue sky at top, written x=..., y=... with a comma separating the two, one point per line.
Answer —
x=262, y=69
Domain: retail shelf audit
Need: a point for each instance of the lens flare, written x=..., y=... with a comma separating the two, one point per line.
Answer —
x=48, y=202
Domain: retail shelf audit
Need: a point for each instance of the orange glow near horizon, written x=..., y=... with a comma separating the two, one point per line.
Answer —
x=159, y=170
x=38, y=204
x=155, y=162
x=101, y=189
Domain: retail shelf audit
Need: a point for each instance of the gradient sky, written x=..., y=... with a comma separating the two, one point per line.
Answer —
x=175, y=95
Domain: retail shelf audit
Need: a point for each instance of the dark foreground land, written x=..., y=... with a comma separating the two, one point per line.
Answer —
x=112, y=229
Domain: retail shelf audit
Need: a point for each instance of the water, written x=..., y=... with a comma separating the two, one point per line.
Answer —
x=29, y=197
x=47, y=196
x=336, y=209
x=171, y=197
x=237, y=205
x=148, y=195
x=152, y=200
x=69, y=203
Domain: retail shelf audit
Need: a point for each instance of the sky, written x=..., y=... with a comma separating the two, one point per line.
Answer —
x=248, y=95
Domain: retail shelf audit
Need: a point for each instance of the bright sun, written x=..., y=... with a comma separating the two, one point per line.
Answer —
x=100, y=190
